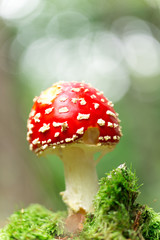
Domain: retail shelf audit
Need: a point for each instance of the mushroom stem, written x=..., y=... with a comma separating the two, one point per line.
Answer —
x=80, y=178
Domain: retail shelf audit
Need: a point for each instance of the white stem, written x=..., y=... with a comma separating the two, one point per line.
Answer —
x=80, y=178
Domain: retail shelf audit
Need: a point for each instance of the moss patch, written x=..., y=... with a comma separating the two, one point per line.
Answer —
x=117, y=216
x=34, y=222
x=150, y=224
x=115, y=208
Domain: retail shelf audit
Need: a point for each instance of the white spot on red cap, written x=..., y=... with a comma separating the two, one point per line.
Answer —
x=63, y=110
x=86, y=90
x=93, y=96
x=102, y=100
x=36, y=117
x=115, y=125
x=101, y=122
x=48, y=110
x=32, y=113
x=111, y=113
x=63, y=99
x=44, y=146
x=96, y=105
x=45, y=101
x=74, y=100
x=106, y=138
x=31, y=146
x=80, y=130
x=45, y=127
x=35, y=99
x=29, y=132
x=101, y=138
x=110, y=124
x=49, y=140
x=99, y=93
x=116, y=137
x=64, y=126
x=83, y=102
x=28, y=135
x=47, y=96
x=83, y=116
x=35, y=141
x=75, y=89
x=120, y=131
x=74, y=137
x=68, y=140
x=56, y=124
x=118, y=120
x=56, y=134
x=29, y=125
x=110, y=104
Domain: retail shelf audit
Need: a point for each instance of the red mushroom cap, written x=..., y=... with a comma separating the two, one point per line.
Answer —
x=63, y=113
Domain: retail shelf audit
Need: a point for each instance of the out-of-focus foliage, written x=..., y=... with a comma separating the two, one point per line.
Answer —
x=114, y=45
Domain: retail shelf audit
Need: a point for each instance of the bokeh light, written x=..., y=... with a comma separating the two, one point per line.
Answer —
x=93, y=58
x=13, y=10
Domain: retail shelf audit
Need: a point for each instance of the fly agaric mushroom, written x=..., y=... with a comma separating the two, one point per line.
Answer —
x=74, y=121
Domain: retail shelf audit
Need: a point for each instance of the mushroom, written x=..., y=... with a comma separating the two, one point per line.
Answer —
x=74, y=121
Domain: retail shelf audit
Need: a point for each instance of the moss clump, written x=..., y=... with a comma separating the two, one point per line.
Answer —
x=115, y=207
x=33, y=223
x=150, y=224
x=117, y=216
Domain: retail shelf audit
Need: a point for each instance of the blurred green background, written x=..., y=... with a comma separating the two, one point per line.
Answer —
x=114, y=45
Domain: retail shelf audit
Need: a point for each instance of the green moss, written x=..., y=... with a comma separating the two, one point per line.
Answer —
x=117, y=216
x=34, y=222
x=115, y=207
x=150, y=224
